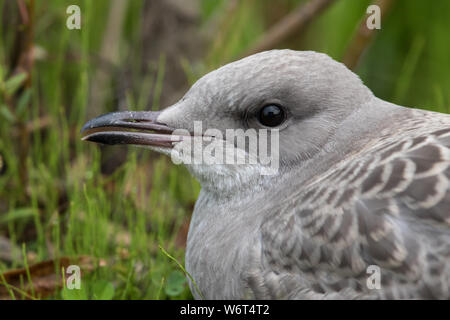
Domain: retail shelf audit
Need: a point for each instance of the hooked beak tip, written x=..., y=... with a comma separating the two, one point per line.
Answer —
x=127, y=127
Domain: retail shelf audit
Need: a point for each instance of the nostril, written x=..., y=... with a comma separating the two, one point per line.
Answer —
x=136, y=120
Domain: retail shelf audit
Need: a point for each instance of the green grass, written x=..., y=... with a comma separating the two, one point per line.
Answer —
x=117, y=219
x=68, y=206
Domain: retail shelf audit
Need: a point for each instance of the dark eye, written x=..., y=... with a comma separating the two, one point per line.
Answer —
x=271, y=115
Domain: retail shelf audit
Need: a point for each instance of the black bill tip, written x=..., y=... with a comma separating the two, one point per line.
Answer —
x=129, y=127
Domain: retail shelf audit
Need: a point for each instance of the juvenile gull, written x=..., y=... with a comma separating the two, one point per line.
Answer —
x=361, y=182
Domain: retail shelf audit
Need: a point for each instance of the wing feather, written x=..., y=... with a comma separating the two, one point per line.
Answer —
x=388, y=207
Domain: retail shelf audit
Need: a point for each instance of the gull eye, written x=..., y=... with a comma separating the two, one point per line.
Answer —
x=271, y=115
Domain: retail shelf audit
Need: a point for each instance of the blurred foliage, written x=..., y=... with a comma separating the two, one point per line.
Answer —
x=62, y=196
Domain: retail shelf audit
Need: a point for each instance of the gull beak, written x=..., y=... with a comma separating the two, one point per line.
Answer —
x=129, y=127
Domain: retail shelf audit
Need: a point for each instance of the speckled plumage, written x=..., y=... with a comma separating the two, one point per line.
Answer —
x=362, y=182
x=387, y=205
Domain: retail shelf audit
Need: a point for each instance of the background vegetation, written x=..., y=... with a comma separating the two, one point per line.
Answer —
x=64, y=201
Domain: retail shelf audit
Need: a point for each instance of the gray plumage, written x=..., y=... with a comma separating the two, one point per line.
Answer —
x=361, y=182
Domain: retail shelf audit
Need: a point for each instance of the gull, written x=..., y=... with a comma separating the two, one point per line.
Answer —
x=359, y=207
